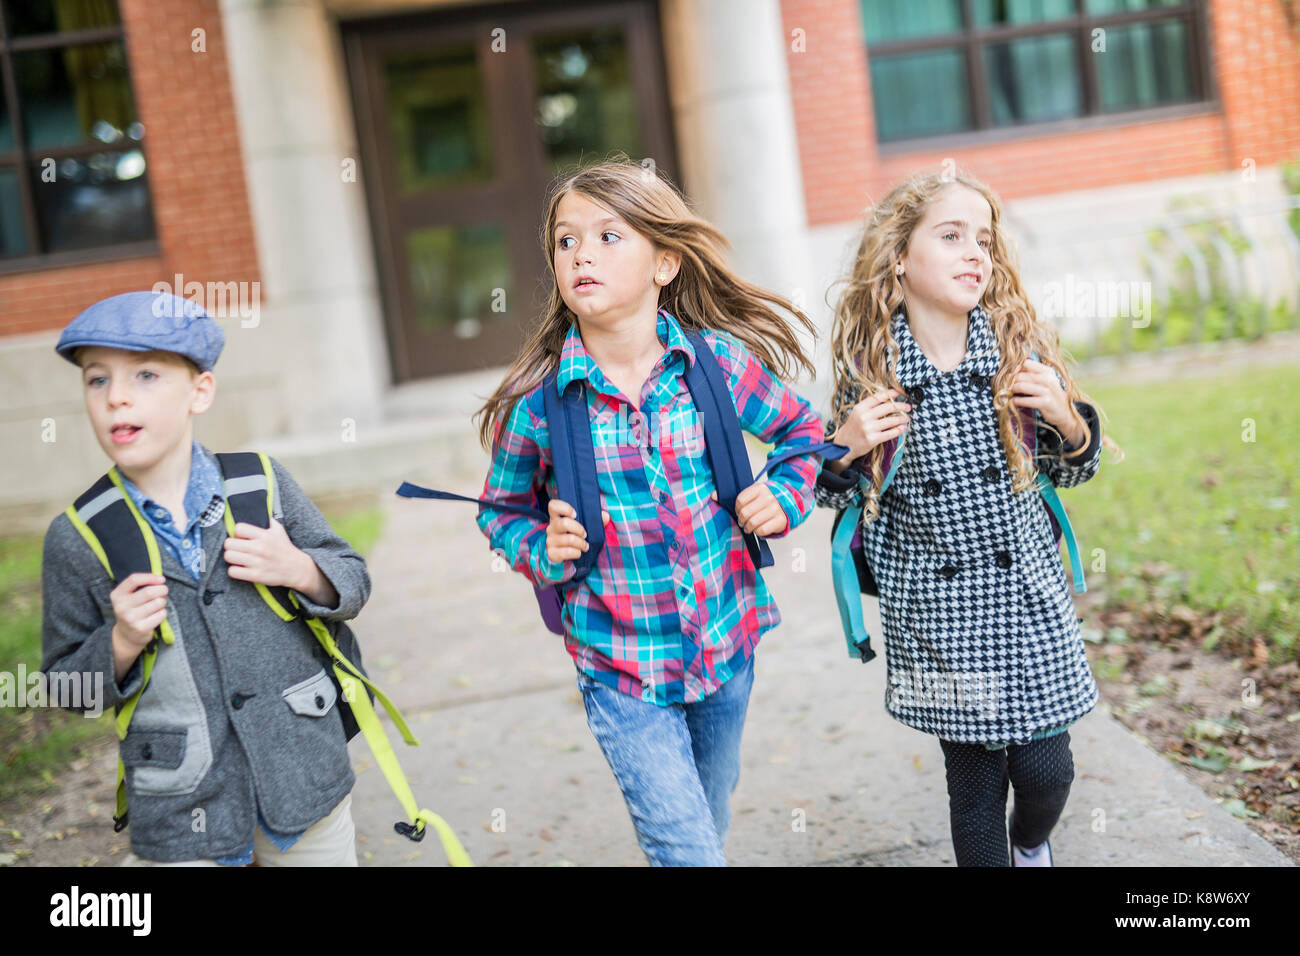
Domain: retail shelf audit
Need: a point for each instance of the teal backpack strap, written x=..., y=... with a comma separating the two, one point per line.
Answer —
x=893, y=464
x=1054, y=504
x=844, y=573
x=848, y=592
x=1048, y=491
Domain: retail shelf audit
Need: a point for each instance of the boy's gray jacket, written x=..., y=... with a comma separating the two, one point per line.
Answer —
x=240, y=713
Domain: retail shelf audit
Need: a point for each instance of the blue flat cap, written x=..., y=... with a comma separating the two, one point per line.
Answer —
x=144, y=321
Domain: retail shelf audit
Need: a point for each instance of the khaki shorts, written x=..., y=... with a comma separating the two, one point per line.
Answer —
x=329, y=842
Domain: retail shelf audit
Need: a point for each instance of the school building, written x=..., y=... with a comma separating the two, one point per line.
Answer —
x=355, y=186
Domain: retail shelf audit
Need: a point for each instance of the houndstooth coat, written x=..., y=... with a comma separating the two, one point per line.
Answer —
x=981, y=638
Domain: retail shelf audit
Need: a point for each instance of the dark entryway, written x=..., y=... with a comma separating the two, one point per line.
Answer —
x=464, y=118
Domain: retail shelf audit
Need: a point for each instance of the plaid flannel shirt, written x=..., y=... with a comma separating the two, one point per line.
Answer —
x=674, y=605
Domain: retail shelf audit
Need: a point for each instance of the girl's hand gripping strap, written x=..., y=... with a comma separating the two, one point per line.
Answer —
x=1053, y=500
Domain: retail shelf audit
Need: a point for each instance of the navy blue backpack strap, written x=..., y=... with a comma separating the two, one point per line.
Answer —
x=725, y=442
x=409, y=490
x=826, y=449
x=573, y=459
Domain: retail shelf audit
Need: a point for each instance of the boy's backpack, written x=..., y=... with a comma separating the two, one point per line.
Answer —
x=851, y=571
x=122, y=539
x=574, y=462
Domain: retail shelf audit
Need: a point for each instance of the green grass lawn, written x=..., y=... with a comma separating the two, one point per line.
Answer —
x=36, y=742
x=1199, y=517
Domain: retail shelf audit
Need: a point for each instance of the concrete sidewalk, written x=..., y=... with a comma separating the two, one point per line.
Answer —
x=507, y=758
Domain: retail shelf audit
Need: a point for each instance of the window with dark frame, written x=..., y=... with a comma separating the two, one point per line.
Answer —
x=72, y=163
x=948, y=67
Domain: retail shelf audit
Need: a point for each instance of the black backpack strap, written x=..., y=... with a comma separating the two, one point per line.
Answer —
x=573, y=459
x=125, y=544
x=248, y=484
x=102, y=508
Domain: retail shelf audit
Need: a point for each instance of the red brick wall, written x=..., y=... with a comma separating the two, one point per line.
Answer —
x=196, y=175
x=1255, y=59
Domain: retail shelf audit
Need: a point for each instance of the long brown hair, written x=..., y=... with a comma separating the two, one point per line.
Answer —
x=705, y=293
x=864, y=352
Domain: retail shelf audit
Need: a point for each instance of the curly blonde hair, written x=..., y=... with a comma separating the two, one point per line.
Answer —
x=864, y=353
x=705, y=293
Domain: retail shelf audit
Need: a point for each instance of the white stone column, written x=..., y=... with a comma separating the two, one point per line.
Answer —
x=321, y=323
x=734, y=121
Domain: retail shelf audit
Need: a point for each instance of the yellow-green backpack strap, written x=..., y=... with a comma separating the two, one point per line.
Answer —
x=348, y=676
x=95, y=507
x=367, y=720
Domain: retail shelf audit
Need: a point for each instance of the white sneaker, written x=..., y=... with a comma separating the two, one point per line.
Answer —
x=1037, y=856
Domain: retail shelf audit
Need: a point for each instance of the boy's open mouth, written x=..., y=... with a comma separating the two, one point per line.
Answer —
x=124, y=434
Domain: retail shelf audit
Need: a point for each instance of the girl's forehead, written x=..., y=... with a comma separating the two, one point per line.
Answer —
x=960, y=204
x=574, y=208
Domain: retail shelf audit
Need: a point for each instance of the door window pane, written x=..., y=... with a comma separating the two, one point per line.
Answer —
x=13, y=239
x=74, y=95
x=586, y=106
x=28, y=17
x=438, y=119
x=458, y=274
x=1015, y=12
x=886, y=20
x=95, y=200
x=1146, y=64
x=920, y=94
x=1033, y=80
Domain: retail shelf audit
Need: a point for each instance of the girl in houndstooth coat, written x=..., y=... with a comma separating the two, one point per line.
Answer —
x=932, y=338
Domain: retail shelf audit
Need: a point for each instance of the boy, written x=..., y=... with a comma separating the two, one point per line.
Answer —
x=236, y=747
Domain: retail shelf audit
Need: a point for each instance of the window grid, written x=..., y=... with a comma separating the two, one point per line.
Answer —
x=21, y=160
x=972, y=40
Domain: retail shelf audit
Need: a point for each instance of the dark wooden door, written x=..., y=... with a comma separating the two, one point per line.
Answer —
x=464, y=119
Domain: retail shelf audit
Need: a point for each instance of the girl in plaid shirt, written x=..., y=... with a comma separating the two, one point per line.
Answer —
x=663, y=629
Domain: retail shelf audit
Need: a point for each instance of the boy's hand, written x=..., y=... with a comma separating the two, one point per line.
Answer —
x=267, y=556
x=1036, y=386
x=566, y=539
x=139, y=605
x=758, y=511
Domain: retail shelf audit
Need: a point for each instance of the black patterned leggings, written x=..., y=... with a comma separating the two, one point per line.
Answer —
x=1041, y=772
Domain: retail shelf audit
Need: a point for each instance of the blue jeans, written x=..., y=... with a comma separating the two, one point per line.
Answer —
x=677, y=765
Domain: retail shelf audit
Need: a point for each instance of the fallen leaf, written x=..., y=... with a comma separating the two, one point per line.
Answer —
x=1251, y=763
x=1215, y=764
x=1238, y=808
